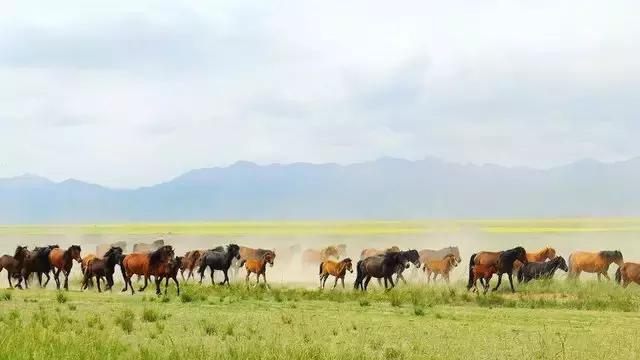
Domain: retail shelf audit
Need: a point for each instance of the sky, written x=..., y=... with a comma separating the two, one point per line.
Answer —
x=132, y=93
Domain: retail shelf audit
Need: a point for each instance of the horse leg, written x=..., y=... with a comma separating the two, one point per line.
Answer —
x=56, y=277
x=264, y=277
x=130, y=284
x=66, y=280
x=446, y=278
x=146, y=282
x=158, y=280
x=335, y=283
x=510, y=276
x=9, y=276
x=391, y=282
x=498, y=284
x=599, y=278
x=435, y=276
x=385, y=282
x=606, y=275
x=175, y=279
x=400, y=277
x=366, y=282
x=212, y=283
x=246, y=280
x=226, y=277
x=342, y=280
x=98, y=283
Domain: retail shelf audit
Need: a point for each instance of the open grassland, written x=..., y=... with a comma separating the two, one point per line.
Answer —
x=548, y=320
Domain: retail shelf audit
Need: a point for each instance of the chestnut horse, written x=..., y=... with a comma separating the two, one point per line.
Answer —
x=145, y=265
x=591, y=262
x=85, y=262
x=484, y=273
x=541, y=255
x=98, y=268
x=427, y=254
x=502, y=260
x=189, y=262
x=375, y=252
x=247, y=253
x=259, y=266
x=62, y=260
x=311, y=256
x=337, y=269
x=13, y=264
x=627, y=273
x=440, y=267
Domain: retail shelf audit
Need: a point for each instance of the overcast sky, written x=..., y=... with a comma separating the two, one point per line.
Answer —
x=136, y=92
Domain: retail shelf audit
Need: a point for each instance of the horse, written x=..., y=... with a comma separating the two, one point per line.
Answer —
x=144, y=264
x=169, y=271
x=37, y=261
x=427, y=254
x=375, y=252
x=627, y=273
x=440, y=267
x=383, y=266
x=259, y=266
x=412, y=257
x=247, y=253
x=62, y=261
x=503, y=261
x=484, y=273
x=103, y=248
x=219, y=259
x=13, y=264
x=101, y=267
x=541, y=270
x=85, y=262
x=590, y=262
x=541, y=255
x=189, y=262
x=337, y=269
x=311, y=256
x=145, y=248
x=342, y=250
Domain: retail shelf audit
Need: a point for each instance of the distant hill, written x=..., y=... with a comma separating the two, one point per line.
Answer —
x=383, y=189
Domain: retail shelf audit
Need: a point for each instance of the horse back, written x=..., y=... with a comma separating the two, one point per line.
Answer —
x=136, y=264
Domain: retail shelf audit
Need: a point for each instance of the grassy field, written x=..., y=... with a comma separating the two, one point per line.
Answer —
x=558, y=320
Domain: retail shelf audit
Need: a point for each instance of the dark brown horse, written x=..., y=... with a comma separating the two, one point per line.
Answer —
x=169, y=271
x=375, y=252
x=37, y=261
x=189, y=262
x=101, y=267
x=503, y=262
x=591, y=262
x=13, y=264
x=383, y=266
x=145, y=265
x=62, y=261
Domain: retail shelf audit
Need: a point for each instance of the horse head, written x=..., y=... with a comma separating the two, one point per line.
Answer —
x=451, y=260
x=549, y=252
x=456, y=252
x=75, y=252
x=269, y=257
x=520, y=254
x=234, y=251
x=413, y=257
x=348, y=265
x=561, y=263
x=21, y=253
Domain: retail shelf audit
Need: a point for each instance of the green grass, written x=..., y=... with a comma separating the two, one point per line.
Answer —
x=545, y=320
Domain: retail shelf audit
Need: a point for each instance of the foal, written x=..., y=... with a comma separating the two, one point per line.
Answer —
x=482, y=272
x=259, y=266
x=440, y=267
x=337, y=269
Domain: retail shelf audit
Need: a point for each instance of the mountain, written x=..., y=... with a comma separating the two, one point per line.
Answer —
x=384, y=189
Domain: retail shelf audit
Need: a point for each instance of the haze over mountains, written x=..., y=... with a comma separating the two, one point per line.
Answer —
x=382, y=189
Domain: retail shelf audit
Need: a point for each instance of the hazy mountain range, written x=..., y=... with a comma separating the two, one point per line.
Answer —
x=383, y=189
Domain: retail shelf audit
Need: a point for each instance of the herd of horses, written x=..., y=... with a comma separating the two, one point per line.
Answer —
x=158, y=260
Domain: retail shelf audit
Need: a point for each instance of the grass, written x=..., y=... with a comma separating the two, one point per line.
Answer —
x=545, y=320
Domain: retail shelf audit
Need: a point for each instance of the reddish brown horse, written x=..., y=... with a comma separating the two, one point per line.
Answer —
x=544, y=254
x=311, y=256
x=337, y=269
x=13, y=264
x=502, y=260
x=259, y=266
x=627, y=273
x=593, y=262
x=101, y=267
x=375, y=252
x=145, y=265
x=169, y=271
x=440, y=267
x=62, y=261
x=484, y=273
x=189, y=262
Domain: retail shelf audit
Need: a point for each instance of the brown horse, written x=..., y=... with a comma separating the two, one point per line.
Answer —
x=13, y=264
x=247, y=253
x=627, y=273
x=189, y=262
x=101, y=267
x=502, y=260
x=484, y=273
x=544, y=254
x=591, y=262
x=375, y=252
x=440, y=267
x=311, y=256
x=259, y=266
x=145, y=265
x=427, y=254
x=337, y=269
x=86, y=260
x=169, y=271
x=62, y=261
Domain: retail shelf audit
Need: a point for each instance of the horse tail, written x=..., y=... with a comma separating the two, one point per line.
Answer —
x=358, y=283
x=472, y=261
x=321, y=266
x=619, y=275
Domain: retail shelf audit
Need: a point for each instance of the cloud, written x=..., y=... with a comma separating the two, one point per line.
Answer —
x=140, y=92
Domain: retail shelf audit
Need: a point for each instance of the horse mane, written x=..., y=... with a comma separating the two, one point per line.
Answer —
x=19, y=250
x=346, y=260
x=217, y=248
x=156, y=256
x=611, y=255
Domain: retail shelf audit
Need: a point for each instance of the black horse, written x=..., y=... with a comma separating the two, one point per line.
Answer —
x=37, y=261
x=412, y=257
x=541, y=270
x=104, y=267
x=382, y=266
x=219, y=259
